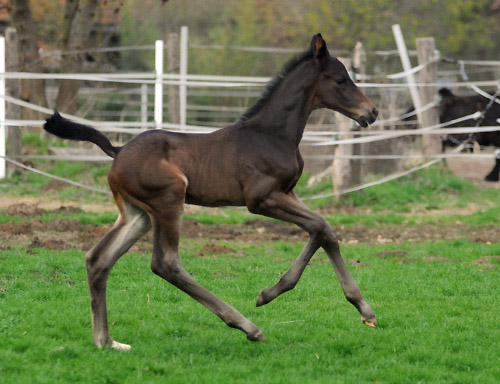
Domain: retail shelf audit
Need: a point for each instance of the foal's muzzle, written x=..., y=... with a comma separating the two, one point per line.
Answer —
x=368, y=117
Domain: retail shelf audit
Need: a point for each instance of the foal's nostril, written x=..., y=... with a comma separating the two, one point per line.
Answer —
x=373, y=115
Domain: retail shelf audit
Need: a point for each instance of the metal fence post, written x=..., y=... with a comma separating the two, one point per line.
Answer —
x=159, y=83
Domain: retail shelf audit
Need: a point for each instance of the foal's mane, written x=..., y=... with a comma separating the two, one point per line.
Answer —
x=275, y=82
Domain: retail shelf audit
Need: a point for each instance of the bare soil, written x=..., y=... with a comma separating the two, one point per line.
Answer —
x=67, y=233
x=473, y=170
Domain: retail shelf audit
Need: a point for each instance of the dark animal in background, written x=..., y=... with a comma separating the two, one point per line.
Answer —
x=254, y=163
x=453, y=107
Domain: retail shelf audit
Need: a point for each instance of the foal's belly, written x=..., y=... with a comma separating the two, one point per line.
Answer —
x=214, y=193
x=213, y=186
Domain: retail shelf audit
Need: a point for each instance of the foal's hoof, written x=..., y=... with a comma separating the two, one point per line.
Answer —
x=262, y=299
x=120, y=346
x=370, y=322
x=259, y=336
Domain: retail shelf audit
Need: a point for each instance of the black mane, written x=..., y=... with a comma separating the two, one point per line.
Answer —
x=274, y=83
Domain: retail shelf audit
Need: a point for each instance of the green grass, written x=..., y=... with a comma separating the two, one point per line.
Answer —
x=438, y=320
x=34, y=184
x=432, y=188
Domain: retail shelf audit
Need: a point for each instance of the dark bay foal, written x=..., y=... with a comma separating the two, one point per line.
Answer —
x=254, y=163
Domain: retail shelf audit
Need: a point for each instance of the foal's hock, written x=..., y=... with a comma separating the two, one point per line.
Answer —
x=254, y=162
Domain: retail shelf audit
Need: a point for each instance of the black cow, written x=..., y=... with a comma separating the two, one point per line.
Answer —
x=453, y=107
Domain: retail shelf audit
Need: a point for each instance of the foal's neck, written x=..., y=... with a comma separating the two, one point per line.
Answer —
x=286, y=112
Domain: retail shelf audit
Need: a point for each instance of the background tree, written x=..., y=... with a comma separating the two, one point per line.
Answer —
x=463, y=29
x=79, y=18
x=32, y=91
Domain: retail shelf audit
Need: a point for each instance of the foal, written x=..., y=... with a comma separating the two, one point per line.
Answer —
x=254, y=163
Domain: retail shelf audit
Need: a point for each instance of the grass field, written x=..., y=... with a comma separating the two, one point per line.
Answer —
x=437, y=313
x=436, y=297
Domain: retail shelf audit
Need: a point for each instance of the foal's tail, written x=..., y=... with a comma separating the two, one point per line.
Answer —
x=66, y=129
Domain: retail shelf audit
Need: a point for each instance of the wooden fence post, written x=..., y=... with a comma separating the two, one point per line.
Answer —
x=173, y=66
x=358, y=70
x=428, y=74
x=342, y=169
x=15, y=148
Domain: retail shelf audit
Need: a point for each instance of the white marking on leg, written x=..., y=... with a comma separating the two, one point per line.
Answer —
x=120, y=346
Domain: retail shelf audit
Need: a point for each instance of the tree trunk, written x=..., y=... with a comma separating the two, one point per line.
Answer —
x=69, y=15
x=342, y=168
x=32, y=91
x=79, y=19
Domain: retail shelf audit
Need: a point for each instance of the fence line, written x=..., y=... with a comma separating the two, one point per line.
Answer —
x=127, y=127
x=213, y=81
x=99, y=159
x=208, y=80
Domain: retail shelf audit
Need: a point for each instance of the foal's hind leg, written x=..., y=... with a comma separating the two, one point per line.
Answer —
x=167, y=216
x=131, y=225
x=288, y=207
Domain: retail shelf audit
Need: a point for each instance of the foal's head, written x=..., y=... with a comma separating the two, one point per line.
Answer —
x=335, y=89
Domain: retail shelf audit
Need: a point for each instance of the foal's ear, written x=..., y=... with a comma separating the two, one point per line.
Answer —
x=319, y=47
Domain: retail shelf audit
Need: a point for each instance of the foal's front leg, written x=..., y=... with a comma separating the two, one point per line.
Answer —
x=167, y=264
x=290, y=279
x=288, y=207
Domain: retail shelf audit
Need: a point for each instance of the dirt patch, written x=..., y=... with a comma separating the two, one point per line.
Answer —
x=62, y=225
x=431, y=259
x=24, y=210
x=13, y=229
x=67, y=233
x=486, y=261
x=69, y=209
x=253, y=230
x=50, y=243
x=215, y=249
x=54, y=185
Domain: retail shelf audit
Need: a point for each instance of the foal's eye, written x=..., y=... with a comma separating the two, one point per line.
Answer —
x=341, y=81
